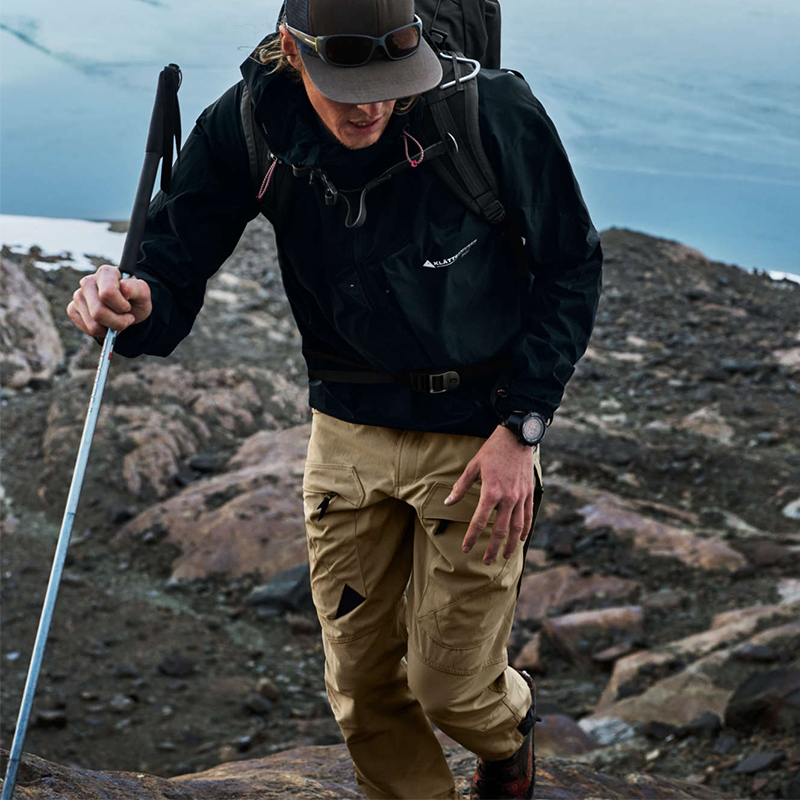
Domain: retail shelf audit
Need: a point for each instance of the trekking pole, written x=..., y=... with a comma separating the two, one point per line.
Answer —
x=164, y=127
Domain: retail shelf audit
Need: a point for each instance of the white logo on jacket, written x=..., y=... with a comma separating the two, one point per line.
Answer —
x=448, y=261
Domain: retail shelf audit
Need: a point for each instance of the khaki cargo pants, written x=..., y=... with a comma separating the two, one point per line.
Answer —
x=413, y=628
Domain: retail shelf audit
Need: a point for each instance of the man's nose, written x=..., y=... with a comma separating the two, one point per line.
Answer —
x=372, y=109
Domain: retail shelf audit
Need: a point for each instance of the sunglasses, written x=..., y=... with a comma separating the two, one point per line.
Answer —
x=355, y=50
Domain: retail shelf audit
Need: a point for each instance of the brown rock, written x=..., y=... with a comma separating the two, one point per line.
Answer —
x=784, y=639
x=578, y=634
x=266, y=688
x=629, y=668
x=285, y=448
x=665, y=600
x=752, y=615
x=677, y=699
x=658, y=663
x=30, y=347
x=154, y=420
x=606, y=658
x=227, y=753
x=248, y=519
x=773, y=644
x=320, y=773
x=536, y=557
x=558, y=735
x=301, y=625
x=789, y=358
x=789, y=590
x=706, y=685
x=710, y=423
x=530, y=657
x=560, y=586
x=629, y=520
x=8, y=523
x=762, y=552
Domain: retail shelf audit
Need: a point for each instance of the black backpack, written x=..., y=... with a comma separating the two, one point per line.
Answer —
x=469, y=27
x=466, y=35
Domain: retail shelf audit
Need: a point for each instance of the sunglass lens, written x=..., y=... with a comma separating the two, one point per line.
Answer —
x=348, y=51
x=404, y=42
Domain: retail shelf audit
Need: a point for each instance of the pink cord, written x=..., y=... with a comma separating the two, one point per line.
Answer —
x=415, y=162
x=265, y=184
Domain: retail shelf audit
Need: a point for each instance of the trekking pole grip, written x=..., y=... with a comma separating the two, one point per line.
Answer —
x=165, y=126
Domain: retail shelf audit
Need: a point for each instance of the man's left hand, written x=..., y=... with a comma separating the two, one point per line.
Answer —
x=505, y=468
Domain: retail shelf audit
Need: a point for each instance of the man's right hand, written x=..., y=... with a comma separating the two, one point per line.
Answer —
x=105, y=301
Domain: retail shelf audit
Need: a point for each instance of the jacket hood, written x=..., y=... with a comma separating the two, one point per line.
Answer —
x=295, y=133
x=283, y=109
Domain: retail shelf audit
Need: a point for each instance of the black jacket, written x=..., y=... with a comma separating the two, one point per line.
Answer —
x=366, y=294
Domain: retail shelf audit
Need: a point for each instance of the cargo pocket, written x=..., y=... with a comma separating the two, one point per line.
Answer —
x=332, y=495
x=465, y=607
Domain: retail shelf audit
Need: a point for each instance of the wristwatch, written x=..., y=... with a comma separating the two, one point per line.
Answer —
x=528, y=426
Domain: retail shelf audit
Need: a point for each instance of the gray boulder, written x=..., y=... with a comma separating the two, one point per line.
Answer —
x=30, y=347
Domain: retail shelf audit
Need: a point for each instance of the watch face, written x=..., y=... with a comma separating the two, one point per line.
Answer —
x=533, y=429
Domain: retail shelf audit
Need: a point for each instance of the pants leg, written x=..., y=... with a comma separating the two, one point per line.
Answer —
x=460, y=610
x=361, y=551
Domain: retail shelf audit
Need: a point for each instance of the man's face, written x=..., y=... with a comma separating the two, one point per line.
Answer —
x=354, y=126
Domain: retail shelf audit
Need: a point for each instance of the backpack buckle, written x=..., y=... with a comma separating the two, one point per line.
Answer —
x=439, y=37
x=330, y=192
x=437, y=383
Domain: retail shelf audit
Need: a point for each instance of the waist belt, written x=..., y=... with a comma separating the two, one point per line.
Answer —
x=419, y=380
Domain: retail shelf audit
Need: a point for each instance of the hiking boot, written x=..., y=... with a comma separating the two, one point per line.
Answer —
x=511, y=777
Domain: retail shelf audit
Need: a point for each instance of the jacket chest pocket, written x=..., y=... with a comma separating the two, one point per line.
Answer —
x=349, y=286
x=332, y=496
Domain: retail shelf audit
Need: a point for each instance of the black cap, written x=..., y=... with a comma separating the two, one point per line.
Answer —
x=380, y=79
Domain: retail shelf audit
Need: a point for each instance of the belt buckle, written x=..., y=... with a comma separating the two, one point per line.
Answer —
x=443, y=382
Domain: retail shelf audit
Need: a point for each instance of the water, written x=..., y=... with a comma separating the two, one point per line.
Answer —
x=681, y=119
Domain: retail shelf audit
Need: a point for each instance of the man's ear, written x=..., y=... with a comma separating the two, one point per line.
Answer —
x=289, y=47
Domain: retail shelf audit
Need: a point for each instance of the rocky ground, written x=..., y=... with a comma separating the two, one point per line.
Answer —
x=660, y=609
x=321, y=773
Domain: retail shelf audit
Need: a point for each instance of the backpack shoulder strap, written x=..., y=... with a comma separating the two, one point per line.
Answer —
x=268, y=175
x=451, y=113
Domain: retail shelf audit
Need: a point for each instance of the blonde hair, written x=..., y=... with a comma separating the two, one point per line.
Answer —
x=271, y=55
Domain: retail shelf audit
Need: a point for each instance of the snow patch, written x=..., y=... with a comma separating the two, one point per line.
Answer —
x=72, y=241
x=784, y=276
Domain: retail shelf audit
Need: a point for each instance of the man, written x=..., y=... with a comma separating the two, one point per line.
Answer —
x=417, y=499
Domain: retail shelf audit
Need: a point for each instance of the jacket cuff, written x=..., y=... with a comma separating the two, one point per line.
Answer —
x=505, y=403
x=131, y=342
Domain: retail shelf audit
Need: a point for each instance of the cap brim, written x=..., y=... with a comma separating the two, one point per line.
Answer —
x=380, y=79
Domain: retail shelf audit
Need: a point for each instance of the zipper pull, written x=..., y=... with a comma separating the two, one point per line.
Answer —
x=323, y=506
x=331, y=193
